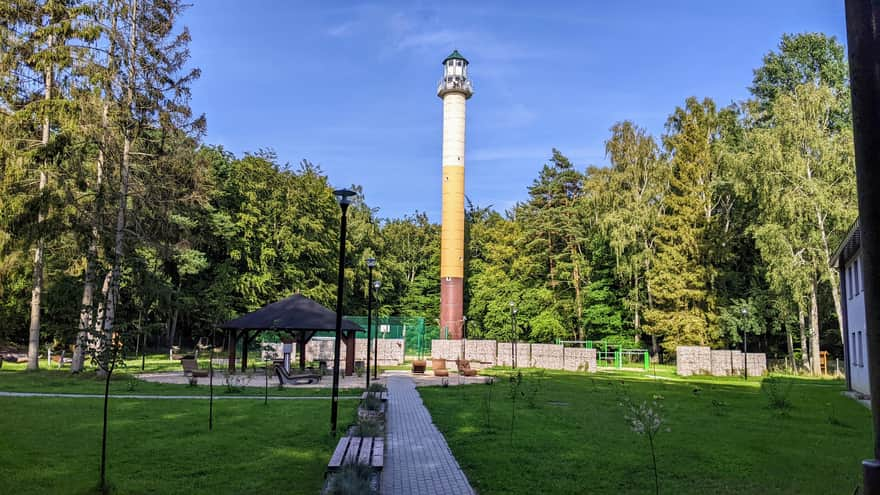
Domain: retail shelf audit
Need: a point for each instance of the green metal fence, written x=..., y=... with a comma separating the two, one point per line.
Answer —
x=417, y=336
x=614, y=354
x=411, y=329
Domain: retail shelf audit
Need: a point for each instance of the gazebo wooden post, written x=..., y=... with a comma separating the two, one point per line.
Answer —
x=301, y=349
x=233, y=337
x=349, y=352
x=245, y=342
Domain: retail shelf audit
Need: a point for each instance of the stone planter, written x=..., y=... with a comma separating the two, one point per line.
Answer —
x=419, y=365
x=364, y=413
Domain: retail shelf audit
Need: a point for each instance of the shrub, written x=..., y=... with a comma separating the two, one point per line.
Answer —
x=372, y=403
x=368, y=427
x=352, y=479
x=777, y=392
x=377, y=387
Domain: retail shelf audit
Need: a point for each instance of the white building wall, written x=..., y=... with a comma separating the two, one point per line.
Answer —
x=856, y=329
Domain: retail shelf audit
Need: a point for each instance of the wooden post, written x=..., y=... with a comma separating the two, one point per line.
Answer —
x=233, y=338
x=245, y=342
x=349, y=353
x=301, y=350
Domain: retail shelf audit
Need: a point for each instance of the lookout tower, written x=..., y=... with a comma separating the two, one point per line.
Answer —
x=455, y=88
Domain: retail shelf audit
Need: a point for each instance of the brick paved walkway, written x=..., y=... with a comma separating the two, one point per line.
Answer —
x=417, y=458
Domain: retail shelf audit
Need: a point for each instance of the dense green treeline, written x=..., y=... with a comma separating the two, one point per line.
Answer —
x=115, y=216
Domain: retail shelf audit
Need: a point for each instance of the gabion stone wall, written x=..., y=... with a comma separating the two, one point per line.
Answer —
x=700, y=360
x=693, y=360
x=490, y=352
x=481, y=351
x=447, y=349
x=505, y=354
x=757, y=363
x=727, y=363
x=321, y=349
x=579, y=359
x=547, y=356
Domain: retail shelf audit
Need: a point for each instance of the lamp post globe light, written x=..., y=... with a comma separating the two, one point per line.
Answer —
x=371, y=263
x=343, y=197
x=375, y=286
x=745, y=313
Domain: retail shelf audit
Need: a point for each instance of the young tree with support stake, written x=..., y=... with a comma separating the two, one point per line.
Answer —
x=106, y=355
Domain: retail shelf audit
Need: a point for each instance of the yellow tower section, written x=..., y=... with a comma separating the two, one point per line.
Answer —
x=455, y=88
x=452, y=233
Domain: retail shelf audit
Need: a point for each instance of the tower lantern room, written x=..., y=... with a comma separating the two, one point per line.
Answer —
x=455, y=76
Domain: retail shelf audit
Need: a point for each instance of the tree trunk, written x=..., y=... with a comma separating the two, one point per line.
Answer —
x=831, y=273
x=124, y=175
x=85, y=311
x=637, y=324
x=805, y=350
x=578, y=297
x=116, y=272
x=834, y=278
x=37, y=287
x=172, y=327
x=87, y=306
x=790, y=342
x=814, y=327
x=33, y=363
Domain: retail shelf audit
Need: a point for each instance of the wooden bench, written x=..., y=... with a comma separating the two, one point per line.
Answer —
x=191, y=367
x=464, y=368
x=369, y=451
x=383, y=396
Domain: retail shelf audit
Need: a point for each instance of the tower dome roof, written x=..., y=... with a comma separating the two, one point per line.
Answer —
x=455, y=56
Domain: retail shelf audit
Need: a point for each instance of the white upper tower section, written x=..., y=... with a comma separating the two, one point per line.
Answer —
x=455, y=76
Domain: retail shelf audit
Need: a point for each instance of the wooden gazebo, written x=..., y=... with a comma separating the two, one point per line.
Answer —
x=297, y=315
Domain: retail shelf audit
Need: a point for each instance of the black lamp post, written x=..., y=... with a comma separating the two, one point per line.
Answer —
x=371, y=263
x=343, y=196
x=513, y=331
x=745, y=313
x=376, y=284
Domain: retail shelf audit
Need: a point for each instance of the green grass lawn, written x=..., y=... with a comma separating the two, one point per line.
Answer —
x=13, y=378
x=62, y=381
x=54, y=446
x=723, y=438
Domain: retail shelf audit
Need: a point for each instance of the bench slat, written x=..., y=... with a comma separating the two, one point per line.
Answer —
x=339, y=453
x=353, y=447
x=366, y=451
x=378, y=453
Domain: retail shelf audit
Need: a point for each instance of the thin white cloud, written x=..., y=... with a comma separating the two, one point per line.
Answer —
x=341, y=30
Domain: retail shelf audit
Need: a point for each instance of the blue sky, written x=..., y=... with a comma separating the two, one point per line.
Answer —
x=352, y=86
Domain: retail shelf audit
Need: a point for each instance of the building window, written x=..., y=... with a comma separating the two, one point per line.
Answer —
x=847, y=274
x=856, y=278
x=861, y=346
x=860, y=277
x=852, y=350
